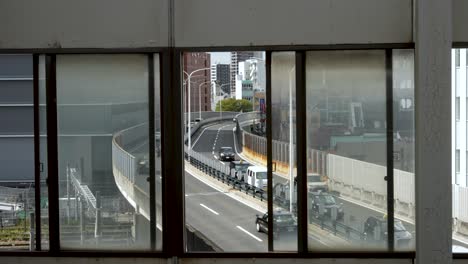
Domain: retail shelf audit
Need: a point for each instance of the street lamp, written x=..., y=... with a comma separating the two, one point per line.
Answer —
x=221, y=101
x=189, y=75
x=199, y=97
x=291, y=149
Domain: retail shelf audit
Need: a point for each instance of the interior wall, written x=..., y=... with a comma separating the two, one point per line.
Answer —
x=297, y=22
x=460, y=21
x=83, y=24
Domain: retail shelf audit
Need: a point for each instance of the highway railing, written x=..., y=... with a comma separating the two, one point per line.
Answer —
x=222, y=173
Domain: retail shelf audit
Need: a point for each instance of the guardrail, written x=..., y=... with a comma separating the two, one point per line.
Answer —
x=222, y=173
x=254, y=147
x=358, y=180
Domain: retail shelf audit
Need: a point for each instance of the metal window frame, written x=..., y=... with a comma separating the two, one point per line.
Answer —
x=52, y=134
x=303, y=251
x=171, y=131
x=37, y=171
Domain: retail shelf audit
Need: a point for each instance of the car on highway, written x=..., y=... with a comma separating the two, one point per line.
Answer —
x=283, y=221
x=239, y=169
x=226, y=153
x=257, y=177
x=315, y=183
x=375, y=229
x=143, y=166
x=324, y=204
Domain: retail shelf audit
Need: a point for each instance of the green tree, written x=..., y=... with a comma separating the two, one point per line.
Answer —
x=233, y=105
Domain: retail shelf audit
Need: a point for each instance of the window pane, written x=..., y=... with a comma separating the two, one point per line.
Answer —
x=43, y=154
x=158, y=154
x=403, y=148
x=102, y=104
x=283, y=99
x=225, y=168
x=459, y=150
x=16, y=152
x=346, y=147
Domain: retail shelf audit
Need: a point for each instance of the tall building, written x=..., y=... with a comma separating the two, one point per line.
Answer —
x=223, y=77
x=200, y=94
x=16, y=116
x=236, y=57
x=460, y=114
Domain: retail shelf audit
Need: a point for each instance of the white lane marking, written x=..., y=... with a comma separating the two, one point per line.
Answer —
x=209, y=209
x=231, y=195
x=216, y=157
x=221, y=162
x=250, y=234
x=212, y=152
x=196, y=141
x=137, y=147
x=216, y=139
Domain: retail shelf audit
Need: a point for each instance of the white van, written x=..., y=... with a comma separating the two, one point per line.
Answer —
x=257, y=177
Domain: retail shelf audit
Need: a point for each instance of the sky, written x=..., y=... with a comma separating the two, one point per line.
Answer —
x=220, y=57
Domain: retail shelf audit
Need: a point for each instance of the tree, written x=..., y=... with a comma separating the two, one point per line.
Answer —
x=233, y=105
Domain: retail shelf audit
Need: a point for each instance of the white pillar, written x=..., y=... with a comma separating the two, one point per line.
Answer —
x=433, y=41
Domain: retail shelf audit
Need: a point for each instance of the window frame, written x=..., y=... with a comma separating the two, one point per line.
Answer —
x=171, y=120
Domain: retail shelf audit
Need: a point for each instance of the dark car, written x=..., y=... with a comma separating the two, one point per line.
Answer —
x=143, y=166
x=226, y=153
x=239, y=168
x=375, y=229
x=283, y=221
x=323, y=203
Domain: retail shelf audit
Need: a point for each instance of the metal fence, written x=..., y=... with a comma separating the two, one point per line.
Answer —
x=222, y=173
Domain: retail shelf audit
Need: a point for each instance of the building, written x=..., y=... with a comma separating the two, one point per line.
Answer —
x=223, y=77
x=16, y=133
x=200, y=94
x=460, y=112
x=236, y=58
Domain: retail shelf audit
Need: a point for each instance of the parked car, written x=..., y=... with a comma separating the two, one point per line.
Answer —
x=323, y=203
x=283, y=221
x=376, y=230
x=226, y=153
x=239, y=169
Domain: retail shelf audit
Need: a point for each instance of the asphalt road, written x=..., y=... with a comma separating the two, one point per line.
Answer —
x=213, y=137
x=227, y=222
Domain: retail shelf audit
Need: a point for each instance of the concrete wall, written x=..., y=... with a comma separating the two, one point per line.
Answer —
x=83, y=24
x=278, y=22
x=460, y=21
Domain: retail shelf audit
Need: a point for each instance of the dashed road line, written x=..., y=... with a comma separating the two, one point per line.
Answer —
x=196, y=141
x=250, y=234
x=209, y=209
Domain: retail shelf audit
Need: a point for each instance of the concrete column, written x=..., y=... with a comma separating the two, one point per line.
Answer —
x=82, y=220
x=136, y=224
x=32, y=232
x=97, y=223
x=433, y=35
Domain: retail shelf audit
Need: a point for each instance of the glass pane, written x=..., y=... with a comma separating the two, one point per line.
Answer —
x=225, y=151
x=459, y=151
x=43, y=154
x=403, y=149
x=102, y=104
x=16, y=153
x=158, y=153
x=283, y=99
x=346, y=150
